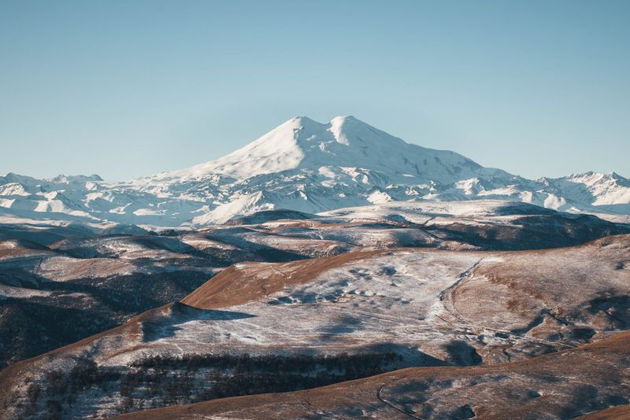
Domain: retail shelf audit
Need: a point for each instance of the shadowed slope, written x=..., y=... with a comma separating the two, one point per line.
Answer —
x=556, y=386
x=621, y=412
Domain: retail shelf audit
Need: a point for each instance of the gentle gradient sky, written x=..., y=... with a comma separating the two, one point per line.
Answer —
x=130, y=88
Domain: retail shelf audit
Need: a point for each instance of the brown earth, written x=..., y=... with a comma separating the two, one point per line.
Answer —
x=245, y=282
x=621, y=412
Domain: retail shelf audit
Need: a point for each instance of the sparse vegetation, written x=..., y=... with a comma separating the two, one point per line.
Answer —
x=161, y=380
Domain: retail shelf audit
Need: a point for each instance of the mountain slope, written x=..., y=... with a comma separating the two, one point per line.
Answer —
x=59, y=284
x=348, y=316
x=345, y=142
x=555, y=386
x=306, y=166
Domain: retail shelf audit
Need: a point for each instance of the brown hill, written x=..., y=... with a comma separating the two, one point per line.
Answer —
x=556, y=386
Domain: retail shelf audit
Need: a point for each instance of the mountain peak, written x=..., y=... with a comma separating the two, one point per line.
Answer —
x=301, y=121
x=344, y=118
x=65, y=179
x=343, y=142
x=306, y=165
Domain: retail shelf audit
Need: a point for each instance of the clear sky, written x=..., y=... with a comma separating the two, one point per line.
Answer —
x=130, y=88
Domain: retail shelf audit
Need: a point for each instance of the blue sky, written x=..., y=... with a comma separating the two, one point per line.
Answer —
x=130, y=88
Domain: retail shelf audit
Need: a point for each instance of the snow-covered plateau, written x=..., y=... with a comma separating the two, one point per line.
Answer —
x=306, y=166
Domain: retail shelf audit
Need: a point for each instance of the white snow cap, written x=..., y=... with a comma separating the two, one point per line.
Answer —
x=345, y=141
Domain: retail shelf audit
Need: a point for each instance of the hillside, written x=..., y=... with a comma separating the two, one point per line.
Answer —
x=560, y=385
x=345, y=317
x=61, y=283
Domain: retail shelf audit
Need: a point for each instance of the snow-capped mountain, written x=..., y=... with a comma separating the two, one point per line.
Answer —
x=307, y=166
x=345, y=142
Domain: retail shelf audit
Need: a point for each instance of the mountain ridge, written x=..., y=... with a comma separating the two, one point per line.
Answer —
x=307, y=166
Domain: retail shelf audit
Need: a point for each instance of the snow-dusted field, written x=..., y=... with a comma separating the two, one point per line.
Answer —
x=386, y=299
x=112, y=272
x=425, y=306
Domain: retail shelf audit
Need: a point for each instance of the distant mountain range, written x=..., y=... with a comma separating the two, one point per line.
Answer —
x=306, y=166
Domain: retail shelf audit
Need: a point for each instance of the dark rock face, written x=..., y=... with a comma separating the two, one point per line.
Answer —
x=33, y=326
x=269, y=216
x=549, y=230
